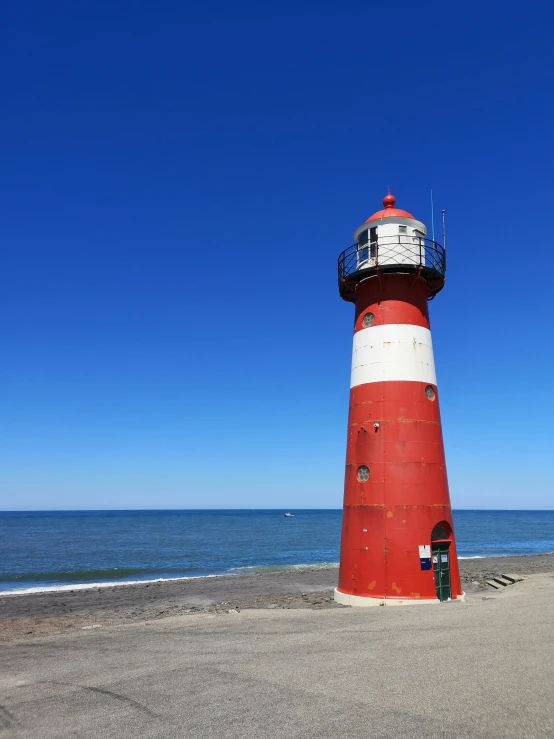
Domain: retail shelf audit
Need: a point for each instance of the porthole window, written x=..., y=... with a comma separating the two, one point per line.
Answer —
x=430, y=392
x=368, y=320
x=363, y=473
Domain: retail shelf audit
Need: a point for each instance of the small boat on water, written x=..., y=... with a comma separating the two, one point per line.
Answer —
x=289, y=515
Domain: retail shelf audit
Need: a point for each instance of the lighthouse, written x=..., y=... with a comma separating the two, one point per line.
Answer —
x=397, y=541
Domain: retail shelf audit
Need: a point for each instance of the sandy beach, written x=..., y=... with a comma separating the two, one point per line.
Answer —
x=279, y=668
x=52, y=611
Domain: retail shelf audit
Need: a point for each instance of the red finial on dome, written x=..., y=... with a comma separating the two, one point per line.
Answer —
x=389, y=211
x=389, y=201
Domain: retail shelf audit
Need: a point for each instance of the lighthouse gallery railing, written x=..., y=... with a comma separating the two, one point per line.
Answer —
x=391, y=254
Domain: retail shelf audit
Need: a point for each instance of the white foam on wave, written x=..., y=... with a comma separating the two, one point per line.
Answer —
x=93, y=585
x=284, y=568
x=497, y=556
x=120, y=583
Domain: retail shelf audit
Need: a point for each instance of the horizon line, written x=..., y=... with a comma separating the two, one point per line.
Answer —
x=153, y=510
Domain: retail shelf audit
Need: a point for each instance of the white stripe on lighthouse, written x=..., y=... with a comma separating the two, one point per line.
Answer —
x=394, y=351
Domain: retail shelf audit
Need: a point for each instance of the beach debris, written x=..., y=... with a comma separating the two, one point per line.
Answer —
x=93, y=626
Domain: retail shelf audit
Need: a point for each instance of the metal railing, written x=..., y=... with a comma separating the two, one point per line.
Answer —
x=401, y=254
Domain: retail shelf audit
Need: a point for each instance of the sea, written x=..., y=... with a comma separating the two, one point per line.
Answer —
x=84, y=549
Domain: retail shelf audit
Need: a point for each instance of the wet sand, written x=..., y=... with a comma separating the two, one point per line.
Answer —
x=48, y=612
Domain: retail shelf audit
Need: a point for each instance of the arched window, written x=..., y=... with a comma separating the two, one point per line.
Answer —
x=441, y=531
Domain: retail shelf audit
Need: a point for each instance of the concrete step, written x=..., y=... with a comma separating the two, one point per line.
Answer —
x=502, y=581
x=512, y=578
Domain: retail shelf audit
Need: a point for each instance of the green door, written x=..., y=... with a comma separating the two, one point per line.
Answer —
x=441, y=567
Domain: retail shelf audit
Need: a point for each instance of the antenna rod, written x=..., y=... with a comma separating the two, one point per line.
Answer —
x=432, y=216
x=443, y=230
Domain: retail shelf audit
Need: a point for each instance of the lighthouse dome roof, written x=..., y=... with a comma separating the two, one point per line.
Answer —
x=389, y=211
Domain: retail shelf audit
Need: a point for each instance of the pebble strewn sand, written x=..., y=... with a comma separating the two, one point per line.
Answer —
x=41, y=613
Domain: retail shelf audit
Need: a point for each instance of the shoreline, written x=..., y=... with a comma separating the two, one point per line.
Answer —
x=240, y=572
x=25, y=614
x=477, y=669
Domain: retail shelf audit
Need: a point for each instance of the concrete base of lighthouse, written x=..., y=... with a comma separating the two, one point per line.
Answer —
x=345, y=599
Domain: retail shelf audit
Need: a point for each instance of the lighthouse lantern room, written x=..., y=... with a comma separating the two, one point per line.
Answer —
x=397, y=543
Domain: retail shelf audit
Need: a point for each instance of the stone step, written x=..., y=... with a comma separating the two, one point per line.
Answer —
x=501, y=581
x=512, y=578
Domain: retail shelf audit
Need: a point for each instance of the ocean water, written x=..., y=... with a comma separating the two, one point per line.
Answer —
x=43, y=550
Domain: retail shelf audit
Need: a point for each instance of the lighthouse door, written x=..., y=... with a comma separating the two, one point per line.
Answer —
x=441, y=567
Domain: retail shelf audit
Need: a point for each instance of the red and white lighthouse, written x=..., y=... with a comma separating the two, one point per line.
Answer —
x=397, y=543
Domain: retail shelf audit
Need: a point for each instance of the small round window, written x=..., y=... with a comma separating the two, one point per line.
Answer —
x=368, y=320
x=430, y=392
x=363, y=473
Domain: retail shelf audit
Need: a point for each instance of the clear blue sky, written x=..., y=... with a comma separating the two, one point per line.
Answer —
x=177, y=182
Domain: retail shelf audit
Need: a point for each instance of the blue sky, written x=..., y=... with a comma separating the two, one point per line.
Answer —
x=177, y=183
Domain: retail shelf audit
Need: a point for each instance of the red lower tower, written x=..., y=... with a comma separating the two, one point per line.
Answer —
x=397, y=542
